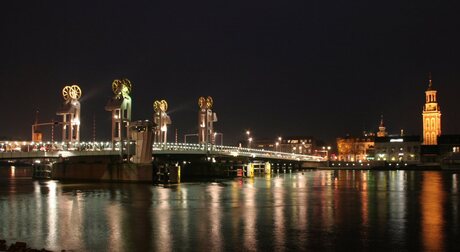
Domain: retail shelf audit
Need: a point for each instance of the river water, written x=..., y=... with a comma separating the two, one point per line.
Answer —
x=314, y=210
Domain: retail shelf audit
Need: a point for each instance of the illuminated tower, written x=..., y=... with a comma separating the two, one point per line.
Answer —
x=206, y=119
x=382, y=130
x=70, y=112
x=431, y=117
x=161, y=120
x=120, y=106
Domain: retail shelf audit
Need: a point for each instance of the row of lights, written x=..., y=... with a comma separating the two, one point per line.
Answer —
x=187, y=145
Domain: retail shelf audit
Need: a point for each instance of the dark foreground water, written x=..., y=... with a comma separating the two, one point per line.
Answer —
x=314, y=210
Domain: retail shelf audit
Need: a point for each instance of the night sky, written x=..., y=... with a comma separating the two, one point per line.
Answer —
x=317, y=68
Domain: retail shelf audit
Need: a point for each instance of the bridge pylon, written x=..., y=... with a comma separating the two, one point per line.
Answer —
x=120, y=105
x=161, y=120
x=70, y=112
x=206, y=120
x=141, y=133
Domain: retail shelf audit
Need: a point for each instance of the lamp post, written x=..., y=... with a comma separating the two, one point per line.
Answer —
x=327, y=149
x=248, y=134
x=279, y=143
x=276, y=146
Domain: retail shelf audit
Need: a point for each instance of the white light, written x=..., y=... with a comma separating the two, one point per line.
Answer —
x=397, y=140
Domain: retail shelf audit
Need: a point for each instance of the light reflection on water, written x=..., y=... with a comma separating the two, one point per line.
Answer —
x=432, y=198
x=313, y=210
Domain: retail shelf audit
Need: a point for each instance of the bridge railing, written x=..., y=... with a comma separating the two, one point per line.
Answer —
x=231, y=151
x=47, y=149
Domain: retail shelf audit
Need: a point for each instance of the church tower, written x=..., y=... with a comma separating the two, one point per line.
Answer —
x=431, y=117
x=382, y=129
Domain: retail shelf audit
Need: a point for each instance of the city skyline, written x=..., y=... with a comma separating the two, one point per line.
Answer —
x=276, y=69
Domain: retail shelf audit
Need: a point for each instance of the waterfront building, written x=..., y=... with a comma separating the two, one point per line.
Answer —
x=431, y=116
x=293, y=144
x=298, y=144
x=352, y=149
x=449, y=150
x=266, y=144
x=398, y=148
x=449, y=144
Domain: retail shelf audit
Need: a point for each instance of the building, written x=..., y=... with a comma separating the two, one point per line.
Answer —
x=398, y=149
x=352, y=149
x=266, y=144
x=298, y=144
x=382, y=129
x=292, y=144
x=431, y=117
x=449, y=144
x=449, y=151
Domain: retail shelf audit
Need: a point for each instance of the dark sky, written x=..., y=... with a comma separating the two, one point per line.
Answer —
x=319, y=68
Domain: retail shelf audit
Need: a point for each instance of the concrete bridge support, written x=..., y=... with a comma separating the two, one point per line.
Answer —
x=142, y=133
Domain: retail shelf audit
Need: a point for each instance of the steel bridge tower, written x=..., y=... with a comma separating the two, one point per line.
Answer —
x=120, y=106
x=161, y=120
x=70, y=112
x=206, y=119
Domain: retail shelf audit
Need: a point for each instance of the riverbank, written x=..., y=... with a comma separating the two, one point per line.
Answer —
x=20, y=247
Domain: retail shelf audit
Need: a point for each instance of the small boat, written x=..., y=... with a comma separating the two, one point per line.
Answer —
x=42, y=170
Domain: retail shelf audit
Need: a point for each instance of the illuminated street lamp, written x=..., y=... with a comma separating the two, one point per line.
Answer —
x=277, y=144
x=248, y=134
x=327, y=149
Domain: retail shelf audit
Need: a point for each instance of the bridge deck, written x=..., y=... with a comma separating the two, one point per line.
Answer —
x=168, y=149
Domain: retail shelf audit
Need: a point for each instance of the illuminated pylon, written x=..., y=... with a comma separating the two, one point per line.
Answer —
x=70, y=112
x=161, y=120
x=206, y=119
x=120, y=106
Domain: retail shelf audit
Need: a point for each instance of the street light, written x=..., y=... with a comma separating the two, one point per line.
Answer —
x=327, y=153
x=248, y=133
x=276, y=144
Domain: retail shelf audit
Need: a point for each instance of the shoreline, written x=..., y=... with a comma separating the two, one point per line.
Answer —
x=20, y=247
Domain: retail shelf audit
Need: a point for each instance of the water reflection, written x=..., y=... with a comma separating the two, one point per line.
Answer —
x=114, y=214
x=52, y=214
x=162, y=216
x=432, y=198
x=249, y=212
x=315, y=210
x=215, y=215
x=279, y=215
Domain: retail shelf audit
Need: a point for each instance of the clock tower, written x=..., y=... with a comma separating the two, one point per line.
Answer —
x=431, y=117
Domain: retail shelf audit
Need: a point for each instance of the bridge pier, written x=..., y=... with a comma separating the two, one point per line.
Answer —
x=166, y=172
x=100, y=168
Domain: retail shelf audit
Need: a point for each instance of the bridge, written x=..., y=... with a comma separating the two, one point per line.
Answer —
x=140, y=149
x=30, y=150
